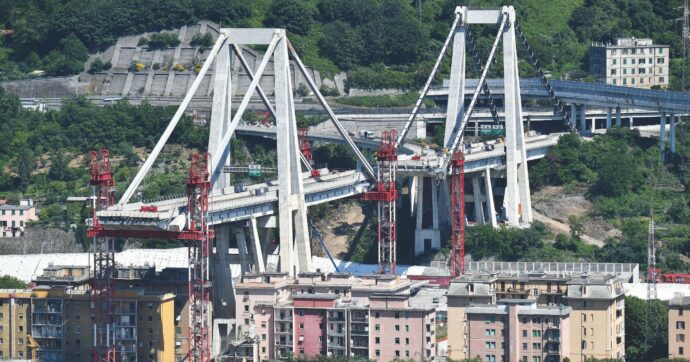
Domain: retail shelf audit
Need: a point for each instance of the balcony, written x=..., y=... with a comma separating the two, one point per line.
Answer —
x=284, y=331
x=335, y=346
x=336, y=332
x=359, y=318
x=361, y=332
x=287, y=344
x=49, y=310
x=336, y=318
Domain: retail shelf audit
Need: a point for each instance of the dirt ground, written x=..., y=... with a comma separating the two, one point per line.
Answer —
x=336, y=230
x=555, y=203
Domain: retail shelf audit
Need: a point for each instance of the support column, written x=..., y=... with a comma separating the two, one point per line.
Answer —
x=583, y=118
x=456, y=90
x=673, y=134
x=662, y=134
x=295, y=251
x=608, y=117
x=223, y=291
x=256, y=247
x=242, y=249
x=413, y=181
x=618, y=116
x=517, y=200
x=436, y=236
x=488, y=186
x=421, y=129
x=221, y=115
x=478, y=201
x=419, y=244
x=573, y=115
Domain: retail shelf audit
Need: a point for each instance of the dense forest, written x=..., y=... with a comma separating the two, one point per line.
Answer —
x=380, y=43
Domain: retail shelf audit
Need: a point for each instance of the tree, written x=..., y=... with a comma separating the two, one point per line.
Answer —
x=10, y=282
x=342, y=44
x=646, y=337
x=293, y=15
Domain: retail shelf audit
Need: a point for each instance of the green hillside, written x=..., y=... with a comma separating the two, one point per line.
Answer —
x=332, y=35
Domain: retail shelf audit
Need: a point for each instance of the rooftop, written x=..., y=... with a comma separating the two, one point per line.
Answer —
x=680, y=301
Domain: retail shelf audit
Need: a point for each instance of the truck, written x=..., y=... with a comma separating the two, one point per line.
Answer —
x=366, y=134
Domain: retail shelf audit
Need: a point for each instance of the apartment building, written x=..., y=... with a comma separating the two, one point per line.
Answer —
x=518, y=330
x=13, y=218
x=135, y=321
x=678, y=324
x=60, y=320
x=631, y=62
x=595, y=304
x=336, y=314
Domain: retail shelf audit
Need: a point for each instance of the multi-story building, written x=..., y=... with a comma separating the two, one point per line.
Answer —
x=59, y=319
x=596, y=326
x=372, y=317
x=631, y=62
x=13, y=218
x=518, y=330
x=678, y=324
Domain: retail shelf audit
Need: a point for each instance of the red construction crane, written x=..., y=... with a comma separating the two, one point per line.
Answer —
x=386, y=194
x=197, y=235
x=198, y=186
x=103, y=293
x=457, y=199
x=305, y=148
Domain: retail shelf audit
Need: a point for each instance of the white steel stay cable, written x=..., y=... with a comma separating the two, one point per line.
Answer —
x=236, y=49
x=334, y=119
x=222, y=38
x=461, y=127
x=427, y=85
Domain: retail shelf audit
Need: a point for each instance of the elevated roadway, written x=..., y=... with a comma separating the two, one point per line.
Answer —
x=259, y=200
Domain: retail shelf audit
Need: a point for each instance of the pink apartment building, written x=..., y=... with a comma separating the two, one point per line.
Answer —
x=370, y=317
x=13, y=218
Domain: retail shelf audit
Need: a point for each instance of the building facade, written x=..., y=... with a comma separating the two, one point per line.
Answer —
x=14, y=218
x=631, y=62
x=678, y=324
x=518, y=330
x=595, y=302
x=371, y=317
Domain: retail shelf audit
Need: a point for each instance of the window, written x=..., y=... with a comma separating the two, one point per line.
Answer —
x=660, y=50
x=632, y=81
x=661, y=79
x=490, y=358
x=407, y=341
x=614, y=82
x=536, y=359
x=150, y=330
x=20, y=341
x=378, y=353
x=536, y=346
x=407, y=328
x=583, y=344
x=524, y=346
x=150, y=305
x=21, y=328
x=524, y=333
x=397, y=353
x=77, y=330
x=377, y=327
x=21, y=315
x=680, y=325
x=397, y=315
x=490, y=345
x=680, y=338
x=377, y=315
x=490, y=319
x=680, y=311
x=301, y=326
x=397, y=327
x=651, y=60
x=642, y=71
x=397, y=340
x=625, y=81
x=640, y=61
x=632, y=61
x=536, y=333
x=490, y=332
x=613, y=52
x=680, y=350
x=659, y=60
x=625, y=71
x=378, y=340
x=613, y=72
x=632, y=71
x=625, y=61
x=301, y=313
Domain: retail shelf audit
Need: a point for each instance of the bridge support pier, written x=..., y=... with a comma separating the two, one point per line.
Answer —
x=427, y=239
x=618, y=116
x=583, y=118
x=478, y=200
x=608, y=117
x=491, y=208
x=242, y=248
x=257, y=251
x=662, y=134
x=673, y=134
x=573, y=115
x=223, y=290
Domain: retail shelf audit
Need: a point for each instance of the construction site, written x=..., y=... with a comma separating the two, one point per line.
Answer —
x=247, y=288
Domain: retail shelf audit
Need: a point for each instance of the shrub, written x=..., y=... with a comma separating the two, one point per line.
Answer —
x=163, y=40
x=328, y=91
x=203, y=41
x=98, y=66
